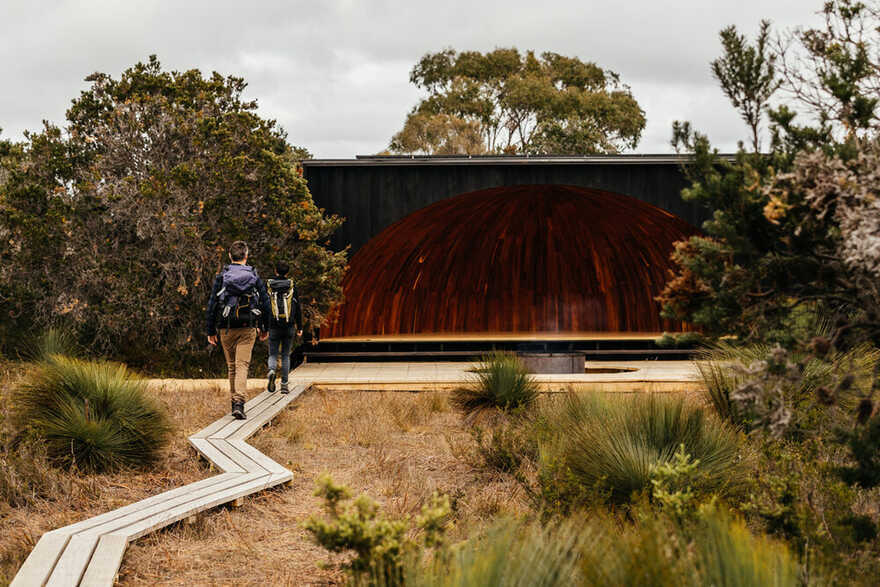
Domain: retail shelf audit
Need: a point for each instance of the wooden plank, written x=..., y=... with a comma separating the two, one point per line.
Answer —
x=142, y=504
x=279, y=479
x=147, y=525
x=252, y=413
x=104, y=564
x=251, y=427
x=258, y=457
x=210, y=452
x=73, y=561
x=233, y=453
x=208, y=430
x=229, y=421
x=191, y=498
x=39, y=564
x=91, y=550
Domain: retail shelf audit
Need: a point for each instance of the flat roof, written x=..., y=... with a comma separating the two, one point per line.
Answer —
x=401, y=160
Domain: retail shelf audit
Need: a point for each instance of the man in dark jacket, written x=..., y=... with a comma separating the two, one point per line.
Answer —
x=239, y=310
x=285, y=324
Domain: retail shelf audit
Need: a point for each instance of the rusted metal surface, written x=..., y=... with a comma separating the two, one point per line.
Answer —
x=544, y=258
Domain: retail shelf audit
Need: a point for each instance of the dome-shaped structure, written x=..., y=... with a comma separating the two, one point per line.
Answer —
x=522, y=259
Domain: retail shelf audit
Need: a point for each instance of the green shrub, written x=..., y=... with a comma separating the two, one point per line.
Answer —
x=508, y=554
x=612, y=446
x=727, y=554
x=714, y=550
x=95, y=416
x=719, y=380
x=501, y=382
x=380, y=544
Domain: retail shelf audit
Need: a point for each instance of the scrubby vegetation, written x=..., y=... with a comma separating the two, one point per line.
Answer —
x=590, y=446
x=118, y=220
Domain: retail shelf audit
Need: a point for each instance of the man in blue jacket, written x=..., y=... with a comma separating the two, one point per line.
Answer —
x=238, y=310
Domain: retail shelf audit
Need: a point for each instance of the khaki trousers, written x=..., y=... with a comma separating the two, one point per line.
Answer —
x=237, y=345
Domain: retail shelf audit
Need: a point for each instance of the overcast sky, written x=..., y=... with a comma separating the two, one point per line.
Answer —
x=335, y=73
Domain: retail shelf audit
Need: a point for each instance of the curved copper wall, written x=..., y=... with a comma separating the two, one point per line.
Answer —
x=534, y=258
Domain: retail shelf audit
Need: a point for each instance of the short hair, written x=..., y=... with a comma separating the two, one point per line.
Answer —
x=281, y=268
x=238, y=251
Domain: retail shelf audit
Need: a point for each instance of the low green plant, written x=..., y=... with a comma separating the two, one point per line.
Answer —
x=94, y=416
x=501, y=382
x=380, y=544
x=509, y=553
x=53, y=341
x=728, y=554
x=671, y=483
x=610, y=447
x=713, y=549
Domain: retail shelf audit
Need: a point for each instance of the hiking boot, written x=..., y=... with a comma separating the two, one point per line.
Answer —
x=284, y=388
x=238, y=411
x=271, y=387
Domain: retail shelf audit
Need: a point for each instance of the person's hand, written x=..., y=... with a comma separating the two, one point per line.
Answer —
x=263, y=336
x=299, y=332
x=212, y=340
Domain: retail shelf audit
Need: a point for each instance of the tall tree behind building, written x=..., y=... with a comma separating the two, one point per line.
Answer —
x=518, y=104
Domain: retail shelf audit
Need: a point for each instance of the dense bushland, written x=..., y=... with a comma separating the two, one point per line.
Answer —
x=114, y=225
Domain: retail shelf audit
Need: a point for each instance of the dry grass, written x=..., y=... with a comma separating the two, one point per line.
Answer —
x=397, y=447
x=35, y=497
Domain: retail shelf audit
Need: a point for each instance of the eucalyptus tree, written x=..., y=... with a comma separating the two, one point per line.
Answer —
x=522, y=104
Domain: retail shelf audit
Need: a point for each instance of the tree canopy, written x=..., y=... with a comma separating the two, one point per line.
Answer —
x=518, y=104
x=795, y=230
x=118, y=222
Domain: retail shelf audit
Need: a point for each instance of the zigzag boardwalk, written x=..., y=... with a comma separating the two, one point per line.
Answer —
x=90, y=552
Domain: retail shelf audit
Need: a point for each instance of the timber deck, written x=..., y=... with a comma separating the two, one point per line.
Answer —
x=90, y=552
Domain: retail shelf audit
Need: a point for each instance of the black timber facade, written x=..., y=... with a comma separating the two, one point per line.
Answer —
x=372, y=193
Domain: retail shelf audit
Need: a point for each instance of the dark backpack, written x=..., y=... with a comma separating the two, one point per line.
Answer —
x=238, y=301
x=282, y=301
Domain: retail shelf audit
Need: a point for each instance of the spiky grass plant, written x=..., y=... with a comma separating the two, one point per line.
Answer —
x=500, y=382
x=50, y=342
x=721, y=378
x=728, y=554
x=95, y=416
x=612, y=445
x=508, y=554
x=716, y=549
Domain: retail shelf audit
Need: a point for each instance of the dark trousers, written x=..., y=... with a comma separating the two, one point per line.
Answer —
x=281, y=342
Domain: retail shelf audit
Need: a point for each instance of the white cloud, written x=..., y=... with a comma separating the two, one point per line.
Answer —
x=335, y=74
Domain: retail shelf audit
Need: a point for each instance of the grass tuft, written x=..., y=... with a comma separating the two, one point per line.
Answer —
x=613, y=446
x=509, y=553
x=501, y=382
x=716, y=550
x=94, y=416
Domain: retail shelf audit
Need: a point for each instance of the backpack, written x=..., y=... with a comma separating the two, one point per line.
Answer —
x=238, y=300
x=282, y=301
